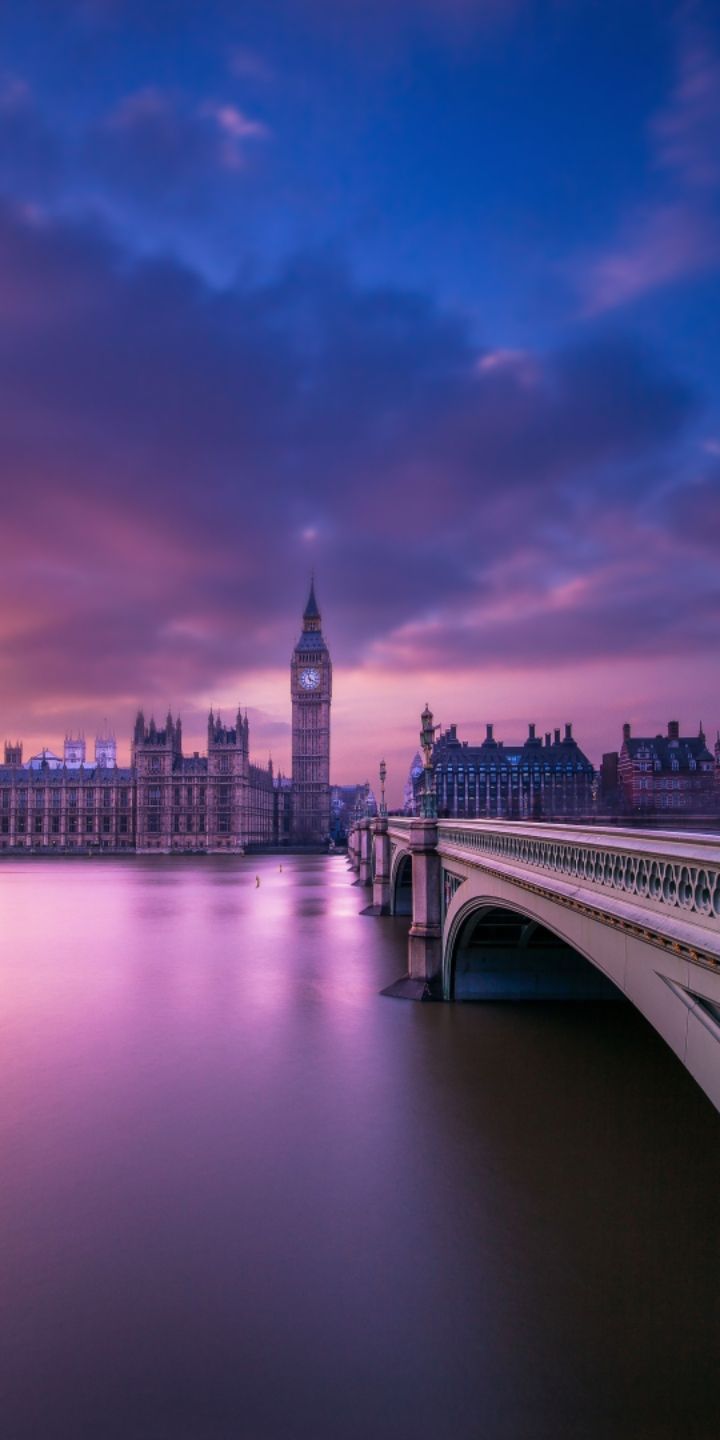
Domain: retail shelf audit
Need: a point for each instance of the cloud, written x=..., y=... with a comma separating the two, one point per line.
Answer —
x=249, y=65
x=686, y=132
x=661, y=245
x=175, y=457
x=675, y=236
x=160, y=144
x=518, y=363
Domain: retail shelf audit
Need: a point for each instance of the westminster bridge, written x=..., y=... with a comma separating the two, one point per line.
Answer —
x=516, y=911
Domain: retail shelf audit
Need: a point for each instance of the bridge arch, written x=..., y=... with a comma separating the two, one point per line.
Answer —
x=401, y=883
x=676, y=997
x=501, y=951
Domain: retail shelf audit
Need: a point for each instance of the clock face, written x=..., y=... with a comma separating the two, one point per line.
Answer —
x=310, y=679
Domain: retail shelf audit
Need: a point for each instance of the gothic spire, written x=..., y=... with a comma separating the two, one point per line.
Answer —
x=312, y=609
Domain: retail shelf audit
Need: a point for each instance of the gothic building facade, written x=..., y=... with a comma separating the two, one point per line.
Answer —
x=311, y=691
x=167, y=802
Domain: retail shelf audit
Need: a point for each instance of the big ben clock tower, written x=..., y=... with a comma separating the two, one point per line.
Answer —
x=311, y=689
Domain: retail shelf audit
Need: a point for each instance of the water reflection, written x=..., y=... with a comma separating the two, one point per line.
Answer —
x=243, y=1195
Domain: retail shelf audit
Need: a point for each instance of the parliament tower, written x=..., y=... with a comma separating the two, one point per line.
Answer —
x=311, y=690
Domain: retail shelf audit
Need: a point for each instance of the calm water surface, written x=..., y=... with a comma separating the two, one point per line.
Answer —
x=242, y=1197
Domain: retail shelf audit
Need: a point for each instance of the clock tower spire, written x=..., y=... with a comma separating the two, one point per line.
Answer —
x=311, y=692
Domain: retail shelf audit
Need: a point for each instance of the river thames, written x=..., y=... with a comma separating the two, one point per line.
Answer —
x=244, y=1197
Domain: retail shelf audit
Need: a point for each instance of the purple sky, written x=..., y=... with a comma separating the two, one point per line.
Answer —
x=424, y=296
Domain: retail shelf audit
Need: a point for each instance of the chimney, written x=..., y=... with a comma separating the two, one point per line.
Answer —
x=568, y=732
x=626, y=731
x=531, y=732
x=547, y=737
x=673, y=729
x=557, y=737
x=489, y=734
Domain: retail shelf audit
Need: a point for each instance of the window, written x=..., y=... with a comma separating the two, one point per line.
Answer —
x=176, y=824
x=89, y=797
x=5, y=824
x=56, y=824
x=176, y=795
x=123, y=797
x=154, y=764
x=224, y=764
x=106, y=797
x=72, y=824
x=153, y=795
x=123, y=824
x=72, y=797
x=153, y=824
x=38, y=824
x=106, y=824
x=21, y=824
x=88, y=823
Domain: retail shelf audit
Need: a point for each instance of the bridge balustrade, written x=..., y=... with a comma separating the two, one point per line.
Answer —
x=667, y=873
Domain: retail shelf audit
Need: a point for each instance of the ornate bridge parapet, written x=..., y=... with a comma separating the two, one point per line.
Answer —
x=642, y=906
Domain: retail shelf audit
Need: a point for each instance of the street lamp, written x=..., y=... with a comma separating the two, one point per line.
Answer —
x=427, y=736
x=383, y=777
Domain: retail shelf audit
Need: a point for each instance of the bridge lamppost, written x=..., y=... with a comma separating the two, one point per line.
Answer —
x=427, y=738
x=383, y=778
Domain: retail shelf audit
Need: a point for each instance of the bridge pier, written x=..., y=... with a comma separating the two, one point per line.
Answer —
x=381, y=879
x=353, y=851
x=365, y=868
x=425, y=937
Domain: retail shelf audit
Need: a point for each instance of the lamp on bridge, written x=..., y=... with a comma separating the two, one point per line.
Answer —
x=427, y=738
x=383, y=778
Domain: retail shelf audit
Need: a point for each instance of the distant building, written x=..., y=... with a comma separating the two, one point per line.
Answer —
x=609, y=799
x=105, y=750
x=283, y=801
x=413, y=785
x=45, y=758
x=668, y=773
x=349, y=803
x=74, y=751
x=540, y=779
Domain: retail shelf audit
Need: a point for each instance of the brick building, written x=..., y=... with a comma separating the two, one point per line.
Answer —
x=668, y=773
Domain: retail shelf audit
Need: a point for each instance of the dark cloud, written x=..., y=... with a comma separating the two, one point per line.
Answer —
x=175, y=457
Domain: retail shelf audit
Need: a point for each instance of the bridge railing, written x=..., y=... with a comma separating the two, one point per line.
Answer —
x=668, y=872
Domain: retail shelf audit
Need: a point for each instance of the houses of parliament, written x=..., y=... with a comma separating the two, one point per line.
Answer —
x=167, y=802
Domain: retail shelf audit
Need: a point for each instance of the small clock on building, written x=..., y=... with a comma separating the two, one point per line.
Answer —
x=310, y=679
